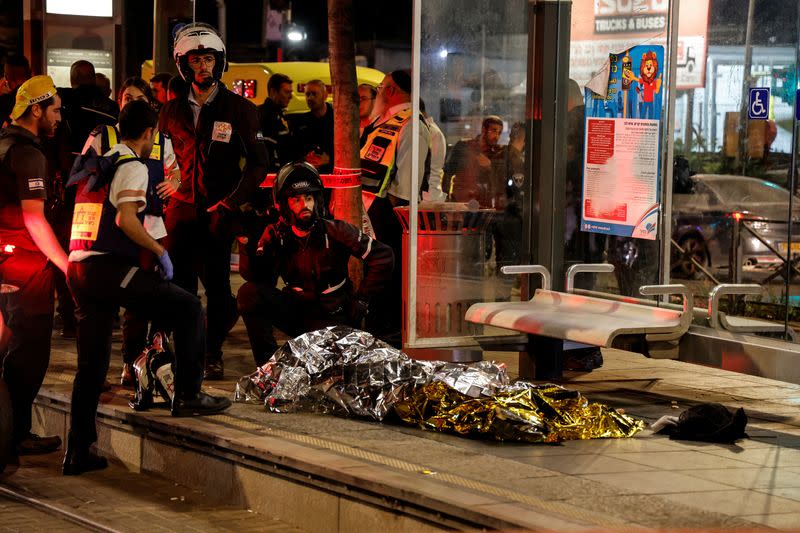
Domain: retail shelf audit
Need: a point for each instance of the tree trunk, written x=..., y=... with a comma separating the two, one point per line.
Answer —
x=346, y=203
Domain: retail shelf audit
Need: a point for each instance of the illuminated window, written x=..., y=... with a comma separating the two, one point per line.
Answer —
x=86, y=8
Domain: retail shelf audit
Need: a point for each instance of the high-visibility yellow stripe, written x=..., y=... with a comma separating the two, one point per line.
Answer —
x=112, y=136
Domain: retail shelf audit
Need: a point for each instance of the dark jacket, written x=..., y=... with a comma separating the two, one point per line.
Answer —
x=276, y=134
x=464, y=179
x=210, y=169
x=314, y=268
x=83, y=109
x=312, y=134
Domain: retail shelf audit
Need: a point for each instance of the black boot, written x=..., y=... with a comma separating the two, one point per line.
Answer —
x=36, y=445
x=215, y=369
x=200, y=404
x=78, y=461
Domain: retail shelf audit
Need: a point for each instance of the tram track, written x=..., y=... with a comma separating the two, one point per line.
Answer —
x=86, y=524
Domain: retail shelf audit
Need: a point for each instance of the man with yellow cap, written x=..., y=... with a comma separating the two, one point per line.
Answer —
x=28, y=312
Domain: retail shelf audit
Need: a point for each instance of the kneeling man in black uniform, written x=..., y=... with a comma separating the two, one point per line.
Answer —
x=106, y=244
x=310, y=252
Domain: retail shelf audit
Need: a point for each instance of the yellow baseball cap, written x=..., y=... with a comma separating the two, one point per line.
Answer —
x=33, y=91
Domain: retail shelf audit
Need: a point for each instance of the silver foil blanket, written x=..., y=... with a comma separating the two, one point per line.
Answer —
x=348, y=372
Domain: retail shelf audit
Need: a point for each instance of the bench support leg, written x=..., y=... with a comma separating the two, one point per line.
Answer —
x=543, y=358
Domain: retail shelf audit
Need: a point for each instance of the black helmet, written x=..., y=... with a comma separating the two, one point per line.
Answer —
x=298, y=178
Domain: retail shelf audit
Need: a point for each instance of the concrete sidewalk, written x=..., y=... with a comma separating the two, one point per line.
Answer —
x=321, y=473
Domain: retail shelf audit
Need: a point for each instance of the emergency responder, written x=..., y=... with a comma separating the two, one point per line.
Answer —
x=386, y=181
x=85, y=106
x=274, y=126
x=29, y=311
x=310, y=252
x=104, y=273
x=312, y=132
x=165, y=178
x=438, y=149
x=222, y=160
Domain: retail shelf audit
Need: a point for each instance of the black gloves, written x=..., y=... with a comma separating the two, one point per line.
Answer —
x=358, y=311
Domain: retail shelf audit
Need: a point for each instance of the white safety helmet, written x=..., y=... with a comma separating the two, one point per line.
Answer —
x=199, y=37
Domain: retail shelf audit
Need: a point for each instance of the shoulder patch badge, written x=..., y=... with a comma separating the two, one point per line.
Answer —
x=35, y=184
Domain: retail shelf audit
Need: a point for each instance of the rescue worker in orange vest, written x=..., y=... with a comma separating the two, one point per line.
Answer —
x=386, y=166
x=107, y=241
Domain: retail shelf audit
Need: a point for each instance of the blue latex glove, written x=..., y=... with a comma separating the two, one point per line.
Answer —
x=166, y=269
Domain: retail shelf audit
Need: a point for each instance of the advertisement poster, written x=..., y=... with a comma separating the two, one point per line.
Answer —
x=622, y=147
x=603, y=25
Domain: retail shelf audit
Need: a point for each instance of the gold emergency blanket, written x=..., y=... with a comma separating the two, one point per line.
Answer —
x=348, y=372
x=522, y=412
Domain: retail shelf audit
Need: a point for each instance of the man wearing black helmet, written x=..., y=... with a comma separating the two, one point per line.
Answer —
x=213, y=132
x=310, y=252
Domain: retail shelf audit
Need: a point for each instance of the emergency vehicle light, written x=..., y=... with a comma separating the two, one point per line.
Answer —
x=8, y=249
x=246, y=88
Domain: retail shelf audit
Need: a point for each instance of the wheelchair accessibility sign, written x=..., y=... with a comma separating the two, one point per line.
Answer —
x=758, y=106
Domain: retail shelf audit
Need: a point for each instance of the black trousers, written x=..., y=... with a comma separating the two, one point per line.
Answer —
x=262, y=306
x=136, y=327
x=201, y=250
x=28, y=313
x=386, y=310
x=102, y=284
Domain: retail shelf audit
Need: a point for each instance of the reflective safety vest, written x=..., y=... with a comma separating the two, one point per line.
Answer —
x=109, y=137
x=94, y=226
x=379, y=152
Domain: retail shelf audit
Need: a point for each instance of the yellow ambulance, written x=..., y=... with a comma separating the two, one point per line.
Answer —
x=250, y=79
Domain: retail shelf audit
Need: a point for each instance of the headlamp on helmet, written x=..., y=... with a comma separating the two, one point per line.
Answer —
x=201, y=39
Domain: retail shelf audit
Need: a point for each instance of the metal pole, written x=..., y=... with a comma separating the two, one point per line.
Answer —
x=735, y=264
x=667, y=132
x=483, y=66
x=748, y=60
x=413, y=219
x=792, y=188
x=546, y=110
x=687, y=133
x=222, y=21
x=163, y=11
x=712, y=118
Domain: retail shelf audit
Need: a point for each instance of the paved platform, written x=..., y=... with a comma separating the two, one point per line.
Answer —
x=322, y=473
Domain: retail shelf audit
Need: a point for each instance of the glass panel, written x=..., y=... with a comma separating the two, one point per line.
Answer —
x=618, y=75
x=733, y=158
x=473, y=67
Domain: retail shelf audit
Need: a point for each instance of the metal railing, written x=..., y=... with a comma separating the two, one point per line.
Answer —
x=735, y=261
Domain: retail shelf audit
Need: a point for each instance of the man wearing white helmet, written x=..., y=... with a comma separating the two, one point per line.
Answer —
x=213, y=132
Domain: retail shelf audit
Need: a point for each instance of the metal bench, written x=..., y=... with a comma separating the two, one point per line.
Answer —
x=550, y=318
x=740, y=324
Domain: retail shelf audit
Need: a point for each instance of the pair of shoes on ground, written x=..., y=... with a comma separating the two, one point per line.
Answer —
x=78, y=461
x=36, y=445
